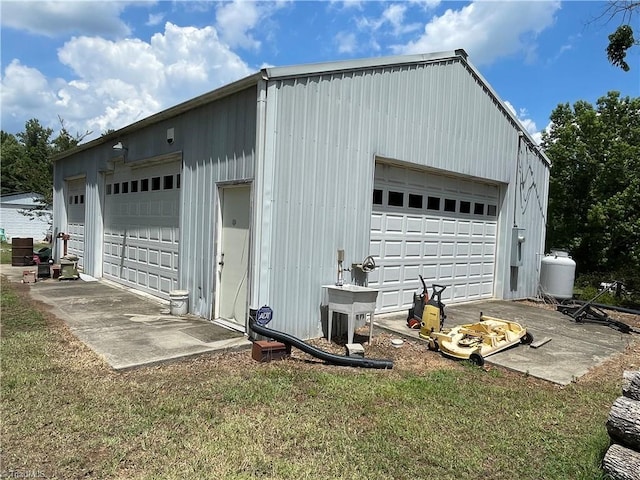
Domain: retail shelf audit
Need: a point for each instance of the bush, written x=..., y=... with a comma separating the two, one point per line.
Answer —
x=628, y=296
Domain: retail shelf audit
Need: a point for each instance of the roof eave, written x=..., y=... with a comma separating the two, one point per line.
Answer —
x=171, y=112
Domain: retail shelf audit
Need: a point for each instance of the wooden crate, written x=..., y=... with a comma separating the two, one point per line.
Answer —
x=265, y=351
x=29, y=276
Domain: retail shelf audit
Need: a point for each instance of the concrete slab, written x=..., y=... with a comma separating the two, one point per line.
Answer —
x=574, y=348
x=126, y=328
x=129, y=329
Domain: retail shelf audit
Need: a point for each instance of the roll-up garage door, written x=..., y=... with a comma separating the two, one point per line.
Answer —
x=141, y=227
x=443, y=228
x=76, y=190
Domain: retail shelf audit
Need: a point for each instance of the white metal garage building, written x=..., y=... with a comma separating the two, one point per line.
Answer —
x=243, y=195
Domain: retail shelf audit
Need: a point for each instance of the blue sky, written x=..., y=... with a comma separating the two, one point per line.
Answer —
x=104, y=65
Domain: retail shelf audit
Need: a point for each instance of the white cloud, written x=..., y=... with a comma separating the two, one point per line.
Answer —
x=346, y=42
x=235, y=20
x=393, y=17
x=529, y=125
x=155, y=19
x=347, y=4
x=26, y=87
x=53, y=19
x=119, y=82
x=426, y=4
x=487, y=33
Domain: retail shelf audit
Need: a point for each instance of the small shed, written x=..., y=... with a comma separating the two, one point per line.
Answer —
x=22, y=215
x=243, y=196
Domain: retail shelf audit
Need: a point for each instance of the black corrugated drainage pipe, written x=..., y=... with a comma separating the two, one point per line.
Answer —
x=316, y=352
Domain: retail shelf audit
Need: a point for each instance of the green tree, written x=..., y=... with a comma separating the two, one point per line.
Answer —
x=36, y=170
x=622, y=39
x=594, y=192
x=26, y=158
x=12, y=162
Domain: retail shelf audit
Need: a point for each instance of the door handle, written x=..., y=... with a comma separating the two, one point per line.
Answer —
x=221, y=262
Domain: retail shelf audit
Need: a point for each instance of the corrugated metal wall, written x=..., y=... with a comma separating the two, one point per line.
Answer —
x=318, y=137
x=219, y=147
x=327, y=130
x=217, y=141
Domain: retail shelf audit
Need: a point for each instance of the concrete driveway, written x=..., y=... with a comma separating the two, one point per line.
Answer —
x=574, y=348
x=130, y=329
x=127, y=329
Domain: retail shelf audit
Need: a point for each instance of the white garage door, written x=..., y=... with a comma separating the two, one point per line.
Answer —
x=440, y=227
x=141, y=228
x=76, y=190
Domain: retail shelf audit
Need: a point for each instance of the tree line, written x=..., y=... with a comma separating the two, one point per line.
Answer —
x=594, y=189
x=26, y=158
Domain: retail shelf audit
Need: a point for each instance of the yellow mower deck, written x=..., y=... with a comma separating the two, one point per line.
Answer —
x=475, y=341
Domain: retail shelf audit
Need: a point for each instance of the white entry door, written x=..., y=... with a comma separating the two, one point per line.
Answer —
x=233, y=258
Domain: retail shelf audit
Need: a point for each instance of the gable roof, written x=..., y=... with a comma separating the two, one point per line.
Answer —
x=273, y=73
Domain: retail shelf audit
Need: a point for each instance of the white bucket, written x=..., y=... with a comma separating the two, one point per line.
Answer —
x=179, y=302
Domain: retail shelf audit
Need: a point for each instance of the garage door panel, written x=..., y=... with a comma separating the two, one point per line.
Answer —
x=432, y=226
x=141, y=229
x=447, y=249
x=413, y=249
x=75, y=206
x=461, y=270
x=455, y=248
x=428, y=271
x=462, y=249
x=166, y=259
x=391, y=274
x=477, y=249
x=475, y=269
x=414, y=225
x=448, y=227
x=394, y=224
x=464, y=228
x=376, y=222
x=392, y=249
x=411, y=272
x=431, y=248
x=389, y=299
x=478, y=229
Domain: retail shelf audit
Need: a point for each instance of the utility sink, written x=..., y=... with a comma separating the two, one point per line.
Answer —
x=351, y=300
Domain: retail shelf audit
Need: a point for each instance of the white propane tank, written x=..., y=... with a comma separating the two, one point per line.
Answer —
x=557, y=274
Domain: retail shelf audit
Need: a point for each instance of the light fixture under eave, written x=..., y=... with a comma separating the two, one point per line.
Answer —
x=119, y=146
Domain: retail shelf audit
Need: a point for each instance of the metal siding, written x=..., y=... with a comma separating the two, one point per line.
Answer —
x=220, y=147
x=326, y=131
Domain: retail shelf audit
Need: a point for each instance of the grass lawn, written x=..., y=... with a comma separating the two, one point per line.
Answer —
x=66, y=415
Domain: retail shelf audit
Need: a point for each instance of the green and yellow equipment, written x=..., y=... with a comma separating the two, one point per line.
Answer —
x=427, y=314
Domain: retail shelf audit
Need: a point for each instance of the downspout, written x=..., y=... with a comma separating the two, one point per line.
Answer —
x=259, y=287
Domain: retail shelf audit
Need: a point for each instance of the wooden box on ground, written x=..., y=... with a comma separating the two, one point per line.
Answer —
x=265, y=351
x=29, y=276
